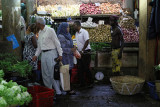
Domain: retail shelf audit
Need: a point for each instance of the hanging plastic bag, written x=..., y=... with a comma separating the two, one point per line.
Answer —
x=77, y=54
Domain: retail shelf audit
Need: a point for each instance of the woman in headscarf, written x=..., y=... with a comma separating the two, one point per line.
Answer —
x=67, y=47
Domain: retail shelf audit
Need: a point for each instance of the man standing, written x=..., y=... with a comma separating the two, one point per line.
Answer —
x=117, y=45
x=49, y=46
x=83, y=45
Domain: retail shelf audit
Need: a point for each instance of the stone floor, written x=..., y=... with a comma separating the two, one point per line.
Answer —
x=102, y=95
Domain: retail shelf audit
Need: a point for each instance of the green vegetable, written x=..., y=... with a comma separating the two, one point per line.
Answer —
x=1, y=74
x=13, y=94
x=7, y=60
x=23, y=89
x=2, y=89
x=157, y=67
x=3, y=102
x=10, y=84
x=22, y=68
x=99, y=46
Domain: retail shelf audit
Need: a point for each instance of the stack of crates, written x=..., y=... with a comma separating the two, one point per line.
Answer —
x=41, y=96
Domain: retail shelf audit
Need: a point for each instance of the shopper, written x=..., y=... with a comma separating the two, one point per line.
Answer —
x=83, y=45
x=49, y=46
x=67, y=47
x=117, y=45
x=30, y=46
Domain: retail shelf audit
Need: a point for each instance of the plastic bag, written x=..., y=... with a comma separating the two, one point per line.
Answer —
x=77, y=54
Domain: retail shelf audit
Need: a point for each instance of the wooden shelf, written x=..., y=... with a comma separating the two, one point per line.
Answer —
x=98, y=15
x=79, y=17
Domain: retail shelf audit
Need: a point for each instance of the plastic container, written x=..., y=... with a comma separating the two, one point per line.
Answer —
x=152, y=89
x=41, y=96
x=74, y=76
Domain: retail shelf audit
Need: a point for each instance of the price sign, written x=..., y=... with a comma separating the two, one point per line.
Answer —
x=101, y=22
x=60, y=8
x=97, y=4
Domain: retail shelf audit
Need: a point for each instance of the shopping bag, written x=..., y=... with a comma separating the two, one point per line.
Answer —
x=65, y=77
x=56, y=71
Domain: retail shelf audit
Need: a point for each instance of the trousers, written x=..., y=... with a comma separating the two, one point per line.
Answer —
x=47, y=64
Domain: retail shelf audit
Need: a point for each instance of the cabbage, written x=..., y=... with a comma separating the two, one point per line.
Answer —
x=11, y=84
x=2, y=88
x=23, y=89
x=13, y=94
x=3, y=82
x=3, y=102
x=18, y=100
x=26, y=97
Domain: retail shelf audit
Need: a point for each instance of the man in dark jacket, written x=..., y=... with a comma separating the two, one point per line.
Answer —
x=154, y=25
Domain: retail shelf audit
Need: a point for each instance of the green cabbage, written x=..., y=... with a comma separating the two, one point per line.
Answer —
x=13, y=94
x=3, y=102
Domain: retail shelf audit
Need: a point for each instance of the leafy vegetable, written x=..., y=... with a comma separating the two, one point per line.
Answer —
x=13, y=94
x=3, y=102
x=157, y=67
x=22, y=68
x=99, y=46
x=1, y=74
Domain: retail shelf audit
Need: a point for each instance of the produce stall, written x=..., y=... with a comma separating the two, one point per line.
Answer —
x=94, y=16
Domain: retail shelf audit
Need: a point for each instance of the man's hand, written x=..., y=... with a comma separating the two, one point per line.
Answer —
x=120, y=55
x=60, y=58
x=34, y=58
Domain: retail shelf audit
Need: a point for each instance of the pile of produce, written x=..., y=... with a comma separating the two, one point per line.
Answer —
x=127, y=22
x=61, y=10
x=129, y=29
x=89, y=23
x=10, y=63
x=22, y=68
x=130, y=35
x=89, y=8
x=12, y=94
x=108, y=8
x=100, y=33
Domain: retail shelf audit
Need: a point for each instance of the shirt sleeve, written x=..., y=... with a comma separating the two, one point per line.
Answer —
x=38, y=51
x=63, y=45
x=86, y=35
x=56, y=42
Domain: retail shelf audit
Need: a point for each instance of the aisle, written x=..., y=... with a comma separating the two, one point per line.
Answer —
x=104, y=96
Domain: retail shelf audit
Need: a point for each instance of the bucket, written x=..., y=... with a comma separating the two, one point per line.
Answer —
x=157, y=82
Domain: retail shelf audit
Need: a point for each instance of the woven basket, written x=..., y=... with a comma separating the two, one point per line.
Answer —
x=127, y=85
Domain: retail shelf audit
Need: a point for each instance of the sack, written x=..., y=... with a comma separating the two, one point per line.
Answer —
x=65, y=77
x=77, y=54
x=56, y=71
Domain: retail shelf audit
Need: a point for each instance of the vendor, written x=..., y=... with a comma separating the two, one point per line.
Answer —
x=117, y=45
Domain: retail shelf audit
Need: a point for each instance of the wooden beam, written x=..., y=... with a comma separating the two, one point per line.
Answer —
x=143, y=38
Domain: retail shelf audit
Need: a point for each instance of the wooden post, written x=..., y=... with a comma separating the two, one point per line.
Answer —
x=30, y=5
x=11, y=22
x=146, y=47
